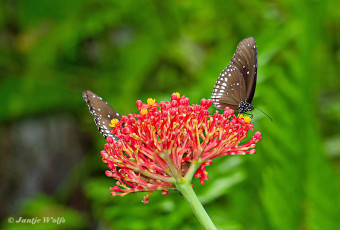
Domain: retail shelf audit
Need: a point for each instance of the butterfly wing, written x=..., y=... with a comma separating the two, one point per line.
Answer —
x=102, y=112
x=245, y=59
x=229, y=89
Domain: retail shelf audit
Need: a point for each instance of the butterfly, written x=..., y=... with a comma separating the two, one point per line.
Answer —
x=102, y=112
x=235, y=87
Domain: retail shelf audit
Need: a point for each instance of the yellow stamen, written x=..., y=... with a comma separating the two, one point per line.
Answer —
x=114, y=122
x=151, y=101
x=143, y=111
x=245, y=118
x=178, y=95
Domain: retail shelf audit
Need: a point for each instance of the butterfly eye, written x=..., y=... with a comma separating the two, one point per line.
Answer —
x=235, y=87
x=102, y=112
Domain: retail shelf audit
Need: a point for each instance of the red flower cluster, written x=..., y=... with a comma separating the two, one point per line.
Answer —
x=171, y=140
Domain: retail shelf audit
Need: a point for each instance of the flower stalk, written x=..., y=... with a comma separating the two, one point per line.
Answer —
x=189, y=195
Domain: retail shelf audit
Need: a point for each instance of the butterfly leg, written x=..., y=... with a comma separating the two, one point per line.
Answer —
x=250, y=115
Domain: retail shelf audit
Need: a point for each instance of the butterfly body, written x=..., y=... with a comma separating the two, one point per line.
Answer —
x=102, y=112
x=245, y=107
x=235, y=87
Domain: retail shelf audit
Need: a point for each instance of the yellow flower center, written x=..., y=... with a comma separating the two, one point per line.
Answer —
x=143, y=111
x=178, y=95
x=245, y=118
x=151, y=101
x=114, y=122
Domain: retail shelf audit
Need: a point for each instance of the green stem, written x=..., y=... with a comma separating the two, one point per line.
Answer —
x=190, y=196
x=192, y=169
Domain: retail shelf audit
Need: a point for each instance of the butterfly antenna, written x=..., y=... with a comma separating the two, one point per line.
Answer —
x=264, y=113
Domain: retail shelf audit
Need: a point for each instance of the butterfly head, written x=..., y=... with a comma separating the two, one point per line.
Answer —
x=245, y=107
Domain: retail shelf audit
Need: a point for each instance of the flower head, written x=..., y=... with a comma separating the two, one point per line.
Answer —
x=173, y=140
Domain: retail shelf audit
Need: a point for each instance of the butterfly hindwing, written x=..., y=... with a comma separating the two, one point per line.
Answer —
x=102, y=112
x=229, y=89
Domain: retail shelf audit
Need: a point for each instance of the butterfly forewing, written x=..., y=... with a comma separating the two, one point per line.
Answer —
x=245, y=59
x=102, y=112
x=237, y=82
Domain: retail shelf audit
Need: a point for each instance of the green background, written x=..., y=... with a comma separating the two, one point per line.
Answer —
x=51, y=51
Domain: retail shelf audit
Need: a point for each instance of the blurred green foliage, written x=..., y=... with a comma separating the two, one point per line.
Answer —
x=128, y=50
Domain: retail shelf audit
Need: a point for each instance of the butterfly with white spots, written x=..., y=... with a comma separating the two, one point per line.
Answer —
x=102, y=112
x=235, y=87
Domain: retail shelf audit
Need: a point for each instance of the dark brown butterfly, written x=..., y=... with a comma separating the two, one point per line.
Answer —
x=102, y=112
x=235, y=86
